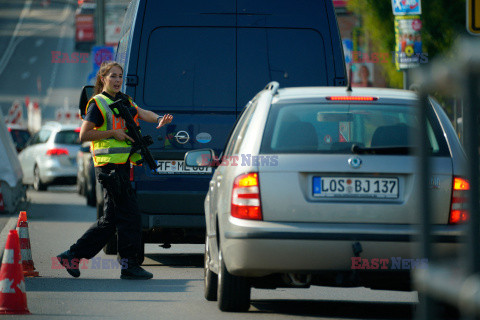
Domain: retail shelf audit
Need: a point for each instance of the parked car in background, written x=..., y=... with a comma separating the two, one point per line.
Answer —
x=86, y=174
x=319, y=186
x=49, y=157
x=20, y=135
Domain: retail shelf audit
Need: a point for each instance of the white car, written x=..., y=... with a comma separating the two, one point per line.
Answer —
x=49, y=157
x=319, y=186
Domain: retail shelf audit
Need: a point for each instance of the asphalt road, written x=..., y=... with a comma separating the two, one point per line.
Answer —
x=30, y=33
x=59, y=216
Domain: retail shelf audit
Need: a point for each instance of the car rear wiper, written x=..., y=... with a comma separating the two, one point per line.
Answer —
x=382, y=150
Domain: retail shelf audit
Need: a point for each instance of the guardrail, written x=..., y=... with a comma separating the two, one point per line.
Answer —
x=455, y=282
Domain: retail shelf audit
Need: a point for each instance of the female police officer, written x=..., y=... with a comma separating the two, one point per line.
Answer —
x=111, y=154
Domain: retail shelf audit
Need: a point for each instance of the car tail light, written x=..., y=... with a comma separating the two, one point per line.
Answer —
x=459, y=212
x=246, y=197
x=131, y=172
x=77, y=129
x=57, y=152
x=351, y=98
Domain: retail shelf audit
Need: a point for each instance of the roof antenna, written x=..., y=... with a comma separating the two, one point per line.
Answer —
x=349, y=79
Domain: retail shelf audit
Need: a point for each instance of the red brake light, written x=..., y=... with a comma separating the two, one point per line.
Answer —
x=458, y=211
x=9, y=129
x=57, y=152
x=77, y=130
x=246, y=197
x=351, y=98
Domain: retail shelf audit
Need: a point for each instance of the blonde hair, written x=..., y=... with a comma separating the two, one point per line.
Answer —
x=104, y=70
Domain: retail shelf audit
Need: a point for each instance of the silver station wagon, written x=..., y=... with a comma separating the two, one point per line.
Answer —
x=319, y=186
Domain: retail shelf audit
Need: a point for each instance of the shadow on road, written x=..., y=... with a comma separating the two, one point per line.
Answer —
x=61, y=212
x=176, y=260
x=337, y=309
x=107, y=285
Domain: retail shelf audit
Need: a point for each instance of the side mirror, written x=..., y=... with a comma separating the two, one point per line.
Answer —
x=85, y=95
x=200, y=158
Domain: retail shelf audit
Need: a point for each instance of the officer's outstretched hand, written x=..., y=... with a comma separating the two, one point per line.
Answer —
x=166, y=119
x=120, y=135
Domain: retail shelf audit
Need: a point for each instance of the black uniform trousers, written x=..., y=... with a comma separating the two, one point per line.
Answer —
x=123, y=218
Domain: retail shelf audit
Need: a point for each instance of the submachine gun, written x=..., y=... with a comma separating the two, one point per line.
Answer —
x=140, y=143
x=114, y=181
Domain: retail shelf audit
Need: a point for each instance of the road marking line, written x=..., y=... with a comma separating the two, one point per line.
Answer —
x=11, y=46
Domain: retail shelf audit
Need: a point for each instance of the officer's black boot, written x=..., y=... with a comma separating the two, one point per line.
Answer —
x=133, y=271
x=68, y=260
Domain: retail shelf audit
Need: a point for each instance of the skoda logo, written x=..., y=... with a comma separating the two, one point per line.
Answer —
x=182, y=137
x=355, y=162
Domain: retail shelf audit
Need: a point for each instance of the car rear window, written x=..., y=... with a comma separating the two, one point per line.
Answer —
x=67, y=137
x=336, y=128
x=20, y=137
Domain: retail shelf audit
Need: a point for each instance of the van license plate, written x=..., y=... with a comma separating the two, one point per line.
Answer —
x=179, y=167
x=348, y=187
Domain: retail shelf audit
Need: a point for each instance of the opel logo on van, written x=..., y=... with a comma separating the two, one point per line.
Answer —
x=182, y=137
x=355, y=162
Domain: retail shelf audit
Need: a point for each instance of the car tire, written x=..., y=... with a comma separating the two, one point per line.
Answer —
x=91, y=198
x=233, y=291
x=80, y=187
x=38, y=185
x=210, y=279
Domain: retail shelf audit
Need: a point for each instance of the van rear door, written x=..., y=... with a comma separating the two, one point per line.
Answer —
x=295, y=43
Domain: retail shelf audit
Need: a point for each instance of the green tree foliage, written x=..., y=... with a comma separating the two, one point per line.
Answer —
x=443, y=21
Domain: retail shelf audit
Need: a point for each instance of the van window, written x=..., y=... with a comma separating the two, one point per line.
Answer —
x=293, y=57
x=195, y=70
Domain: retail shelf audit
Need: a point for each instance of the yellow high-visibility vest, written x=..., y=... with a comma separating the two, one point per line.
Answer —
x=111, y=150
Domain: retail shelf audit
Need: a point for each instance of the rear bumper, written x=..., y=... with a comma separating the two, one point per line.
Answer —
x=348, y=232
x=53, y=172
x=171, y=202
x=262, y=248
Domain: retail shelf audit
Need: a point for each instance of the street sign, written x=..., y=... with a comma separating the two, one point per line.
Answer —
x=406, y=7
x=100, y=54
x=347, y=50
x=473, y=17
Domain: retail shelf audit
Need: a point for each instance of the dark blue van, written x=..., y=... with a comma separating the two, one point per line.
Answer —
x=202, y=61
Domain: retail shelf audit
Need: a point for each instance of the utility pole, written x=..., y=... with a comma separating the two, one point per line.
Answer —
x=100, y=22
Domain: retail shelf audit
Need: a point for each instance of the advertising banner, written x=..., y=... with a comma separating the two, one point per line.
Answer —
x=406, y=7
x=408, y=42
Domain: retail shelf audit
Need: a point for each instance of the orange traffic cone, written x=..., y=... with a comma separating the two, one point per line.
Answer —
x=25, y=248
x=13, y=297
x=21, y=217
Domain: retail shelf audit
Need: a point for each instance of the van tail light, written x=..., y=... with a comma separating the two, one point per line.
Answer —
x=57, y=152
x=246, y=197
x=458, y=211
x=131, y=172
